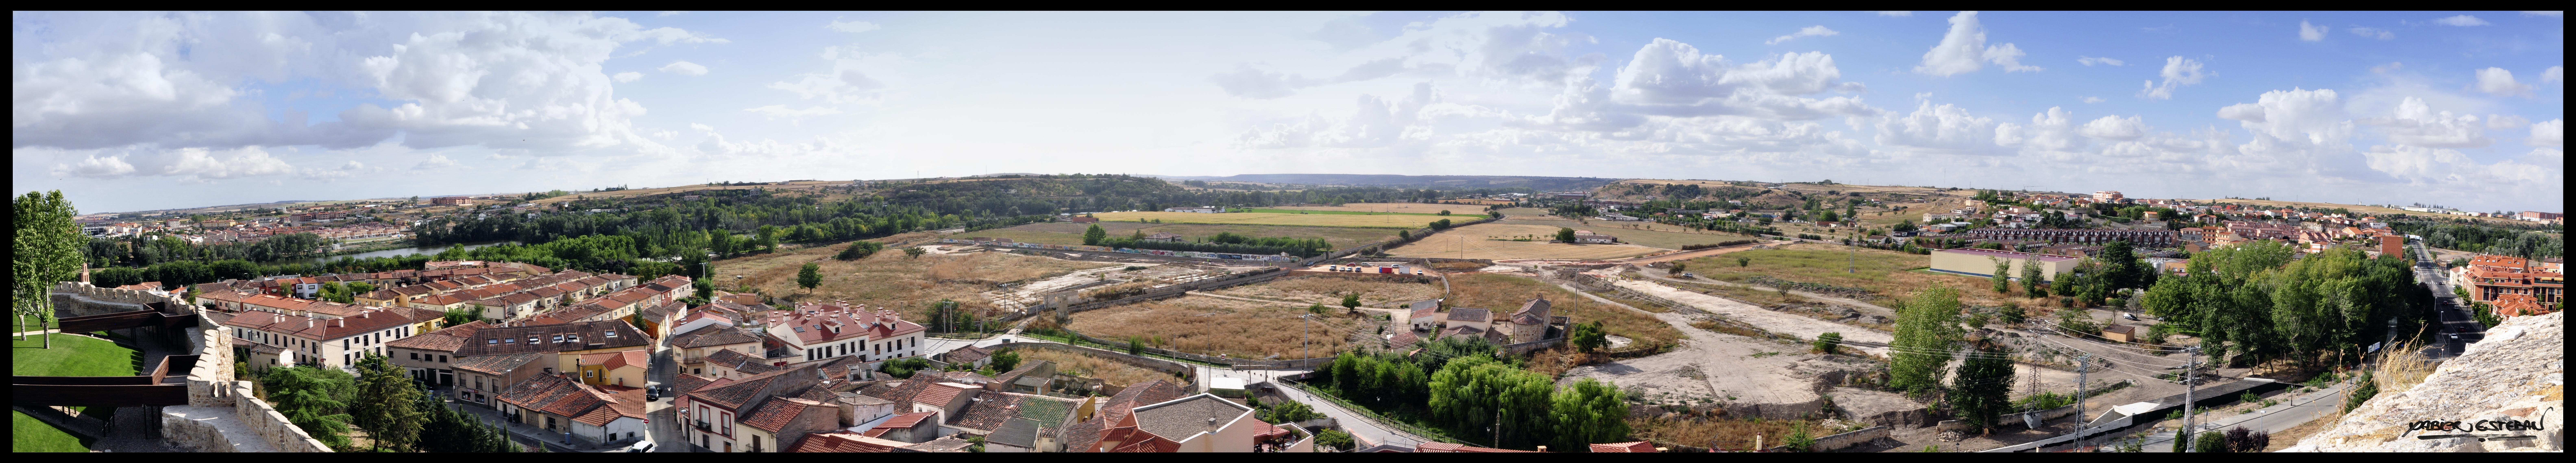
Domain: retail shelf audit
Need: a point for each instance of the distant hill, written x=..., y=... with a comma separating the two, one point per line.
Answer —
x=1443, y=182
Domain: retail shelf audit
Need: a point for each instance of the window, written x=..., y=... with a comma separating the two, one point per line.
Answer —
x=442, y=359
x=415, y=355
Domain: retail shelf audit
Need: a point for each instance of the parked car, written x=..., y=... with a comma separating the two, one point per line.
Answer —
x=2130, y=316
x=640, y=446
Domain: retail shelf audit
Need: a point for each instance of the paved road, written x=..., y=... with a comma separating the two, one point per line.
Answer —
x=2452, y=315
x=666, y=429
x=2290, y=413
x=1367, y=432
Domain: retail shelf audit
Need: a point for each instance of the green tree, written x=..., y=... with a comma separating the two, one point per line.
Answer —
x=1351, y=302
x=2031, y=279
x=48, y=247
x=2002, y=278
x=386, y=404
x=1317, y=309
x=310, y=398
x=1093, y=235
x=1589, y=336
x=809, y=276
x=1982, y=391
x=1333, y=439
x=1676, y=269
x=1826, y=343
x=1926, y=327
x=1743, y=261
x=860, y=250
x=914, y=252
x=1587, y=412
x=1006, y=360
x=1565, y=234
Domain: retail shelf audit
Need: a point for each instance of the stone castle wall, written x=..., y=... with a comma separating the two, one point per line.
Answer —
x=222, y=415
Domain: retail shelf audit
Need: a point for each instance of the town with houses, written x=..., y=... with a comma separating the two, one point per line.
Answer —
x=913, y=290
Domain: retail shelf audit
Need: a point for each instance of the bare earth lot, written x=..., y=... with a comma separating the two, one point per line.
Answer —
x=1218, y=326
x=1328, y=291
x=1479, y=241
x=890, y=279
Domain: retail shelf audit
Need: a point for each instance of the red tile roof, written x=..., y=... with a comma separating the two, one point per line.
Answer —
x=776, y=414
x=841, y=442
x=939, y=394
x=1625, y=447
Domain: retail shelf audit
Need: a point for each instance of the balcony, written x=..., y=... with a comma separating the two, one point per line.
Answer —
x=702, y=426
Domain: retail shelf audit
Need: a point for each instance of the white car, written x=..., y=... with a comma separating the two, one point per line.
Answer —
x=641, y=446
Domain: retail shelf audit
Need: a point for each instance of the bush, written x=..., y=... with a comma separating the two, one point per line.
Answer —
x=1826, y=343
x=2210, y=442
x=859, y=250
x=2241, y=440
x=1334, y=439
x=904, y=368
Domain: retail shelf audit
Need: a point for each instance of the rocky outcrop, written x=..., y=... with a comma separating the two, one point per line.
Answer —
x=2508, y=390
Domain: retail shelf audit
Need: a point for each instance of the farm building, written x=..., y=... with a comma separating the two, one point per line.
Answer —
x=1588, y=237
x=1981, y=262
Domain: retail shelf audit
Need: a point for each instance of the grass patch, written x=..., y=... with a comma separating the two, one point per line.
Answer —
x=1328, y=291
x=27, y=434
x=1884, y=273
x=1214, y=326
x=1256, y=218
x=71, y=356
x=1506, y=293
x=891, y=280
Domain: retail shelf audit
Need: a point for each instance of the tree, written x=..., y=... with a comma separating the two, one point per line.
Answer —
x=1743, y=261
x=860, y=250
x=1351, y=302
x=1586, y=412
x=386, y=404
x=914, y=252
x=1983, y=388
x=1827, y=342
x=1093, y=236
x=2030, y=279
x=2120, y=266
x=1676, y=270
x=48, y=247
x=2002, y=277
x=809, y=276
x=1927, y=327
x=1317, y=309
x=1565, y=234
x=1444, y=212
x=310, y=397
x=1005, y=360
x=1333, y=439
x=1589, y=336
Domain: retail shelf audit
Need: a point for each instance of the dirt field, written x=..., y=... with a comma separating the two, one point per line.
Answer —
x=1411, y=208
x=1658, y=235
x=1216, y=326
x=1257, y=218
x=1479, y=241
x=1069, y=233
x=889, y=279
x=1744, y=376
x=1885, y=273
x=1328, y=291
x=1108, y=371
x=1506, y=293
x=1777, y=322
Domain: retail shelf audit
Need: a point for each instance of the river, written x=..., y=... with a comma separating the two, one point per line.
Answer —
x=386, y=253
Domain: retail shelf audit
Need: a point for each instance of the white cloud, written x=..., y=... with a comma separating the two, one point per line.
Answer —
x=781, y=112
x=2384, y=68
x=1249, y=82
x=2089, y=61
x=2382, y=34
x=1963, y=50
x=435, y=162
x=2094, y=99
x=2178, y=72
x=2506, y=122
x=629, y=76
x=1896, y=13
x=2049, y=131
x=1378, y=123
x=1809, y=31
x=684, y=68
x=2414, y=123
x=1943, y=129
x=2499, y=82
x=2310, y=116
x=192, y=164
x=856, y=77
x=2311, y=33
x=1674, y=79
x=2552, y=133
x=2462, y=21
x=2554, y=74
x=852, y=26
x=2116, y=128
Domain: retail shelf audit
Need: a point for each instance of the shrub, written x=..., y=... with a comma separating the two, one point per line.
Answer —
x=1828, y=342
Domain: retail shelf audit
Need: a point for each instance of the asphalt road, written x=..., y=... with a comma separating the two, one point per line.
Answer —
x=2451, y=316
x=1367, y=432
x=2290, y=413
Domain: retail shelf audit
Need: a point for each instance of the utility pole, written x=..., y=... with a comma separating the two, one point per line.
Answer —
x=2191, y=362
x=1309, y=342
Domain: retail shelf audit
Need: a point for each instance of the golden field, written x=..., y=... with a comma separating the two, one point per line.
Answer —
x=1409, y=208
x=1217, y=326
x=1329, y=290
x=1262, y=218
x=1479, y=242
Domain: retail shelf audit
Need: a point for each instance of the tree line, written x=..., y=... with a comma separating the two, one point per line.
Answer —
x=1460, y=387
x=2254, y=302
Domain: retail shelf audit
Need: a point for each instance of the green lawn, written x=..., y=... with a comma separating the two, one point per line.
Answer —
x=1466, y=217
x=26, y=434
x=71, y=356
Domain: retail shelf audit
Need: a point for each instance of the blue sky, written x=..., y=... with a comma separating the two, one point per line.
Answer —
x=128, y=111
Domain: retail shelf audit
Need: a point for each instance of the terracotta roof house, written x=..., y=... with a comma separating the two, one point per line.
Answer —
x=1625, y=447
x=910, y=428
x=694, y=346
x=785, y=418
x=969, y=355
x=601, y=415
x=735, y=364
x=1086, y=435
x=714, y=411
x=1198, y=423
x=1480, y=319
x=429, y=356
x=329, y=342
x=825, y=330
x=620, y=368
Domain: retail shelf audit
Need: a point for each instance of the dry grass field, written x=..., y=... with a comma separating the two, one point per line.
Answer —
x=1258, y=218
x=1109, y=371
x=889, y=279
x=1409, y=208
x=1884, y=273
x=1479, y=242
x=1216, y=326
x=1506, y=293
x=1329, y=290
x=1658, y=235
x=1071, y=233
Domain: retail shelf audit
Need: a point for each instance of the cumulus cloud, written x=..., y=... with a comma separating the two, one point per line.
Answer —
x=436, y=161
x=852, y=26
x=1944, y=129
x=2089, y=61
x=2310, y=116
x=1963, y=50
x=2506, y=122
x=1674, y=79
x=2461, y=21
x=2049, y=131
x=168, y=81
x=195, y=164
x=1809, y=31
x=2499, y=82
x=2552, y=133
x=2178, y=72
x=2311, y=33
x=2116, y=128
x=2414, y=123
x=629, y=76
x=2554, y=74
x=2382, y=34
x=1378, y=123
x=684, y=68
